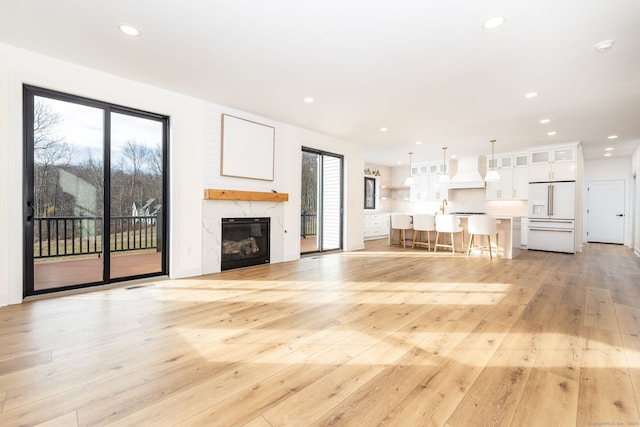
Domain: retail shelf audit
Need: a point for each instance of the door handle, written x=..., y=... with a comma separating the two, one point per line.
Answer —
x=554, y=230
x=620, y=215
x=30, y=211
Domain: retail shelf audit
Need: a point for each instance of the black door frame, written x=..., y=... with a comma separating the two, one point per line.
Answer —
x=320, y=189
x=29, y=94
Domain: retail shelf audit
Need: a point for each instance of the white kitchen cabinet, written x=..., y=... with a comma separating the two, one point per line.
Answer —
x=503, y=189
x=500, y=162
x=514, y=177
x=426, y=176
x=437, y=168
x=420, y=169
x=436, y=191
x=376, y=226
x=500, y=190
x=421, y=188
x=521, y=176
x=521, y=160
x=553, y=164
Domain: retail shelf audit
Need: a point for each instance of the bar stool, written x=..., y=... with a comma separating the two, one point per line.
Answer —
x=422, y=223
x=400, y=223
x=448, y=224
x=482, y=225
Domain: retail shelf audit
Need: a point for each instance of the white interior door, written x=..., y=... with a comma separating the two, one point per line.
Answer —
x=605, y=211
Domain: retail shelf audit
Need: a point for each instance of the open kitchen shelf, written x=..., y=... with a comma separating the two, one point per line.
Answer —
x=395, y=187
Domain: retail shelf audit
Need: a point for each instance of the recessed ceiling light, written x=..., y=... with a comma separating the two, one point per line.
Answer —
x=418, y=142
x=551, y=133
x=399, y=162
x=603, y=46
x=531, y=95
x=607, y=154
x=129, y=30
x=383, y=129
x=309, y=100
x=493, y=23
x=612, y=136
x=608, y=149
x=545, y=121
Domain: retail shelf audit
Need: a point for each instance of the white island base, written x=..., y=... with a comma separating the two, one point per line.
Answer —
x=509, y=230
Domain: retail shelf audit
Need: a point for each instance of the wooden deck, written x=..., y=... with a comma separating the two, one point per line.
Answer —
x=308, y=244
x=383, y=336
x=63, y=271
x=55, y=273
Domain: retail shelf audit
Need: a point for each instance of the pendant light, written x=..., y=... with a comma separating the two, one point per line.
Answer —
x=444, y=177
x=410, y=179
x=492, y=173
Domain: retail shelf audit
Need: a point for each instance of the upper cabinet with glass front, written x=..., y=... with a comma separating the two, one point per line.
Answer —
x=427, y=176
x=521, y=176
x=502, y=189
x=552, y=164
x=514, y=177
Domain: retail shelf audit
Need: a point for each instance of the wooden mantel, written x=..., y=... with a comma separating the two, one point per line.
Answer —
x=253, y=196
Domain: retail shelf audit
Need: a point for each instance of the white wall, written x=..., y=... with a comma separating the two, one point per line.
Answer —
x=635, y=190
x=288, y=154
x=383, y=196
x=617, y=168
x=193, y=123
x=5, y=244
x=295, y=139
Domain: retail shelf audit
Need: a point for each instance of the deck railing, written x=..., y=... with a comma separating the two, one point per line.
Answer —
x=308, y=224
x=67, y=236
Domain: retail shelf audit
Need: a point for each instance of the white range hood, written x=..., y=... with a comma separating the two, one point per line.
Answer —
x=467, y=172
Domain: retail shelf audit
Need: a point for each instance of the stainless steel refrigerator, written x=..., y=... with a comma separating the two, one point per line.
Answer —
x=551, y=213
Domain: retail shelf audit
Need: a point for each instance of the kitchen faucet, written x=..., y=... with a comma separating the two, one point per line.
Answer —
x=444, y=203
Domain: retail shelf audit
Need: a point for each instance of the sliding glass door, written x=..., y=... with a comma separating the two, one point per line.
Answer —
x=136, y=195
x=94, y=185
x=321, y=201
x=65, y=216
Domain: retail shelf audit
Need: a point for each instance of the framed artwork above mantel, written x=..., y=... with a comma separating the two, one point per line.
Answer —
x=247, y=149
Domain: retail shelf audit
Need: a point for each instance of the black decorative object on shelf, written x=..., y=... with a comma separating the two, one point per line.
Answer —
x=369, y=193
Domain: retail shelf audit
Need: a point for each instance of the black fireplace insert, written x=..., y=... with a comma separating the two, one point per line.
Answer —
x=245, y=242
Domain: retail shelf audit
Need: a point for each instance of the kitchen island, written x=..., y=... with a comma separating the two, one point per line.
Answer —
x=509, y=232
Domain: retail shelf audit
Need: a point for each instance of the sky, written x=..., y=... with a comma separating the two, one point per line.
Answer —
x=82, y=127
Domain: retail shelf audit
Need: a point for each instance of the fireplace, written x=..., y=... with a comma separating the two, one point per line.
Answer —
x=245, y=242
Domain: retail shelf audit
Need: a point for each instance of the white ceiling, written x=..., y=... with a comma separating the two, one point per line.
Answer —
x=426, y=70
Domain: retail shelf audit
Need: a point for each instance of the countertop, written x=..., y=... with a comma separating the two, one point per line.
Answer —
x=496, y=216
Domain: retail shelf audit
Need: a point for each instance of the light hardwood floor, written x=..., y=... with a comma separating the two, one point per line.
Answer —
x=384, y=336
